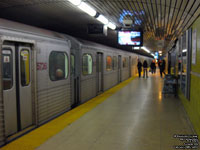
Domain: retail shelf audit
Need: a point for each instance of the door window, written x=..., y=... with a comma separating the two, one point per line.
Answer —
x=7, y=69
x=25, y=67
x=109, y=63
x=114, y=63
x=72, y=64
x=119, y=62
x=87, y=64
x=125, y=62
x=99, y=62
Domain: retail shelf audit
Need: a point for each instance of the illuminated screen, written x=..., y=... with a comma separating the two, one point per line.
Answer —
x=156, y=55
x=133, y=38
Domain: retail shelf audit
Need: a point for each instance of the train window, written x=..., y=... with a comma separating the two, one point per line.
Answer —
x=58, y=66
x=25, y=67
x=87, y=64
x=7, y=69
x=114, y=62
x=108, y=63
x=72, y=64
x=125, y=62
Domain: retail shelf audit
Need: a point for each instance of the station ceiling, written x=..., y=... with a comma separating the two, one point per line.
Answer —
x=161, y=20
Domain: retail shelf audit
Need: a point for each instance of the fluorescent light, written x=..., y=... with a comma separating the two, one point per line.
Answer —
x=145, y=49
x=75, y=2
x=136, y=47
x=102, y=19
x=152, y=55
x=185, y=50
x=111, y=26
x=86, y=8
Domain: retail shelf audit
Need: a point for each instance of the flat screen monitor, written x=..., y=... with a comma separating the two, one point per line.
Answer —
x=132, y=38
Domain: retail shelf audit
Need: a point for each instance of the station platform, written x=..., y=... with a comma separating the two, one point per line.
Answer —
x=134, y=115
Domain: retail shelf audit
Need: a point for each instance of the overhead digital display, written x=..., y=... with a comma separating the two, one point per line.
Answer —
x=132, y=38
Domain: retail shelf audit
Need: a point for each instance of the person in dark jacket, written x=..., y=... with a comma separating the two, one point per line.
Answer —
x=153, y=67
x=145, y=66
x=162, y=68
x=159, y=63
x=139, y=65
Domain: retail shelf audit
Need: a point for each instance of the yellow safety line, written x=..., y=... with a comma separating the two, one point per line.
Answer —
x=38, y=136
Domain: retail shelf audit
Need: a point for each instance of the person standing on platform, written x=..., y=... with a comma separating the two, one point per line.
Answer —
x=159, y=65
x=162, y=68
x=153, y=67
x=139, y=65
x=145, y=66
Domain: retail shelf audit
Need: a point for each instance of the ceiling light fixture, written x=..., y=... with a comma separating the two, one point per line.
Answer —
x=92, y=12
x=111, y=26
x=136, y=48
x=86, y=8
x=185, y=50
x=152, y=55
x=102, y=19
x=145, y=49
x=75, y=2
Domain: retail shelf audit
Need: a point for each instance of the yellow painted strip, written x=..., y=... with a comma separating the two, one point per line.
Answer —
x=38, y=136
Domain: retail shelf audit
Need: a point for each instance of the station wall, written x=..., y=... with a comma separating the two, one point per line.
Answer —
x=192, y=106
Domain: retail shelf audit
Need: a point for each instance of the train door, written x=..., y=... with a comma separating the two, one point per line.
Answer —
x=99, y=72
x=130, y=66
x=119, y=68
x=17, y=96
x=75, y=79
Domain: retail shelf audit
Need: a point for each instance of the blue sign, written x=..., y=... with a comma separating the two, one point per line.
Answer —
x=156, y=55
x=131, y=13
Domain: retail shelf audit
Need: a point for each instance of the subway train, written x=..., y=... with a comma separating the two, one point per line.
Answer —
x=44, y=74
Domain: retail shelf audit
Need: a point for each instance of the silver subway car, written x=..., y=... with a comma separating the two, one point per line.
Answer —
x=44, y=74
x=97, y=68
x=35, y=77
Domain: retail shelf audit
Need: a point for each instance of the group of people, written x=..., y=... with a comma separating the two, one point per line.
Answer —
x=153, y=67
x=161, y=65
x=145, y=66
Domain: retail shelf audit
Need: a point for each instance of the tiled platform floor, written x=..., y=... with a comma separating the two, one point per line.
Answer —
x=137, y=117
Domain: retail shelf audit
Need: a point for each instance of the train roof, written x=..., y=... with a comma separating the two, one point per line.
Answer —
x=76, y=43
x=19, y=27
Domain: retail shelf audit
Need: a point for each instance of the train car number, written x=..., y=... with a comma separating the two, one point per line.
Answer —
x=41, y=66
